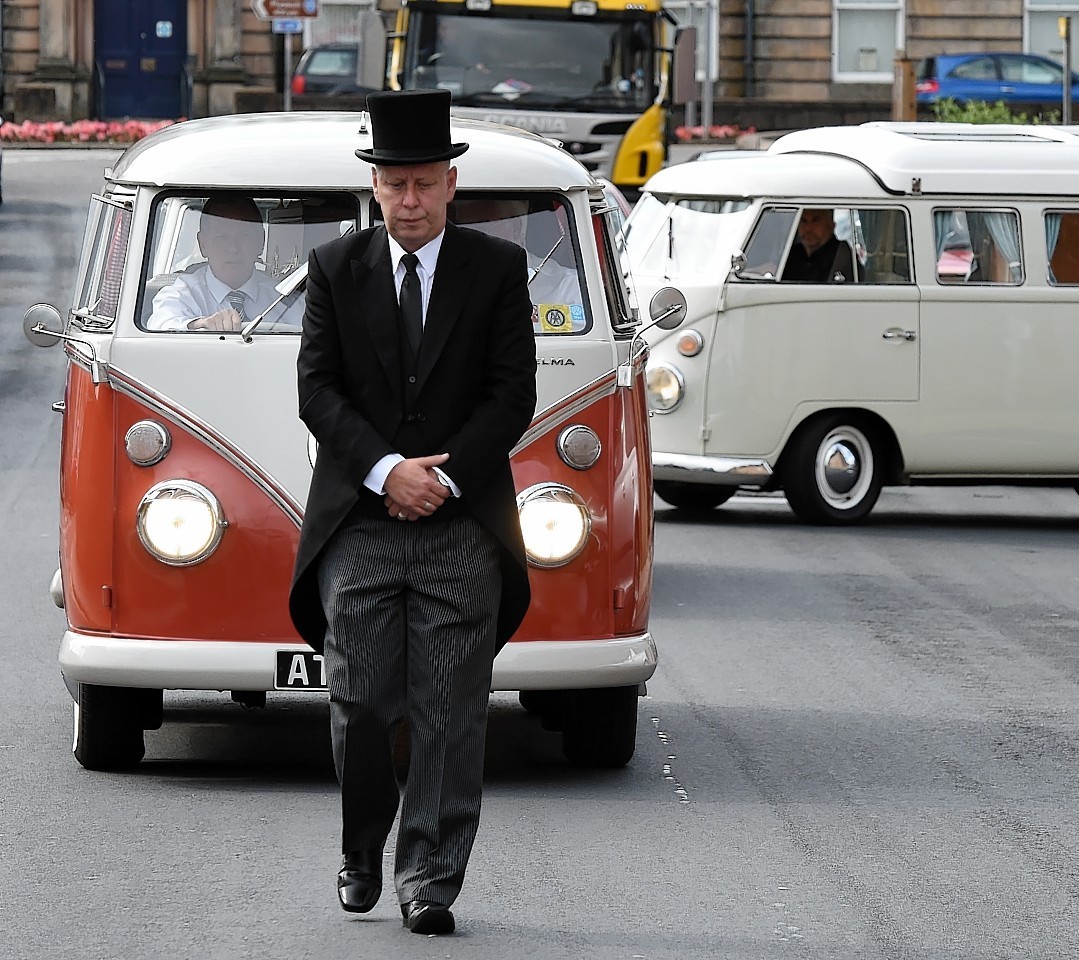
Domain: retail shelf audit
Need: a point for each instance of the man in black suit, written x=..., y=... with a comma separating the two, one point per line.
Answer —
x=417, y=371
x=818, y=255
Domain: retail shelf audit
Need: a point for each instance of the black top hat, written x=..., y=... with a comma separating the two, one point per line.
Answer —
x=410, y=126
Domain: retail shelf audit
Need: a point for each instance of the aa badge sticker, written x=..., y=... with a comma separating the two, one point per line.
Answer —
x=554, y=318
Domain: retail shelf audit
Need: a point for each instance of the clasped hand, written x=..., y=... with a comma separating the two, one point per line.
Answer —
x=414, y=490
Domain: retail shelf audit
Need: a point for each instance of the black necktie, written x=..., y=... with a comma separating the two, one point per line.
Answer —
x=412, y=302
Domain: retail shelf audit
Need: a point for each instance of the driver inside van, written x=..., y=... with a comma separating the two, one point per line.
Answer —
x=818, y=255
x=226, y=291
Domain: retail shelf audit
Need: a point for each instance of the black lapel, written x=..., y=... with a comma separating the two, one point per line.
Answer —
x=453, y=277
x=376, y=305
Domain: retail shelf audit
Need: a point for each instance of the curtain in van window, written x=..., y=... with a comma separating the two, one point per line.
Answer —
x=884, y=234
x=1005, y=233
x=941, y=220
x=1052, y=235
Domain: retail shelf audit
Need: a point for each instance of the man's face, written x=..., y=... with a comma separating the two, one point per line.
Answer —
x=231, y=247
x=413, y=200
x=815, y=229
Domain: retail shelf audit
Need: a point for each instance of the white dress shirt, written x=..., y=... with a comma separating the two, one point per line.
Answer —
x=200, y=294
x=427, y=255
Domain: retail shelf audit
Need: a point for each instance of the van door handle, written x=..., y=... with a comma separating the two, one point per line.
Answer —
x=898, y=333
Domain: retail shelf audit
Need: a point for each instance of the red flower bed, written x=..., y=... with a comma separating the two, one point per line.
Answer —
x=81, y=131
x=718, y=131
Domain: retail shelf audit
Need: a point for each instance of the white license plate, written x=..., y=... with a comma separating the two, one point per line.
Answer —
x=299, y=670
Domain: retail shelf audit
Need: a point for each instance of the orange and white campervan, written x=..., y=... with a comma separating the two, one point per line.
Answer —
x=184, y=466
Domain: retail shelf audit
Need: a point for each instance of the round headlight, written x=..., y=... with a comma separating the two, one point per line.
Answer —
x=147, y=443
x=555, y=523
x=579, y=447
x=666, y=387
x=180, y=522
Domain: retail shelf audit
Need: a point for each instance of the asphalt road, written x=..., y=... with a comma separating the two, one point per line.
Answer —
x=860, y=744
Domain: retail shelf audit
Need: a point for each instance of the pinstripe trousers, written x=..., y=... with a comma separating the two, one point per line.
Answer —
x=411, y=610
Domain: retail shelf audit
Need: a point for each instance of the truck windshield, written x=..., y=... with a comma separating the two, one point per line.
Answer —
x=532, y=64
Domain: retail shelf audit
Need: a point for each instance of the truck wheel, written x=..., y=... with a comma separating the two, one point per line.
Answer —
x=833, y=472
x=693, y=496
x=109, y=725
x=600, y=726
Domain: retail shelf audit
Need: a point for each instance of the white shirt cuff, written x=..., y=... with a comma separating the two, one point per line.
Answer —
x=447, y=481
x=375, y=481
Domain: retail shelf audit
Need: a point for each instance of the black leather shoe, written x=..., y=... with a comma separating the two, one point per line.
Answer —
x=425, y=916
x=359, y=881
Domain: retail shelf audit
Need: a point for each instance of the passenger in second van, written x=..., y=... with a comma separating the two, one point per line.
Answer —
x=818, y=255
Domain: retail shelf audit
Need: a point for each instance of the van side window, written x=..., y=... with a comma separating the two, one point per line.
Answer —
x=1062, y=245
x=881, y=245
x=977, y=246
x=765, y=248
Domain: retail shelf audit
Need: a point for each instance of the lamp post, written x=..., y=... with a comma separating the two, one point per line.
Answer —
x=1064, y=28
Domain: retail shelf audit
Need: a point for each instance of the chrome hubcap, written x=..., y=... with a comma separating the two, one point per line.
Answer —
x=844, y=467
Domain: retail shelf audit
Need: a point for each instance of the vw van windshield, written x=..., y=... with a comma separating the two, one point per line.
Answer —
x=686, y=235
x=214, y=259
x=543, y=225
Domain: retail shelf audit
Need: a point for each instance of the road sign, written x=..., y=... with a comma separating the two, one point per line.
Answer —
x=284, y=9
x=288, y=26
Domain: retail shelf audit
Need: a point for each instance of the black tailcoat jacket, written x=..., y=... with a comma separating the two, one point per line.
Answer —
x=471, y=393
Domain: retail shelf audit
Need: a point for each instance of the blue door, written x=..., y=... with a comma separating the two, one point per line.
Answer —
x=139, y=51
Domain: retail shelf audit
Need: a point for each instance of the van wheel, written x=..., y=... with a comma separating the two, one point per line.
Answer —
x=109, y=724
x=599, y=727
x=833, y=473
x=693, y=496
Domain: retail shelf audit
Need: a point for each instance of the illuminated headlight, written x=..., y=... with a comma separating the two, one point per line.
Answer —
x=579, y=447
x=666, y=387
x=147, y=443
x=583, y=8
x=180, y=522
x=555, y=523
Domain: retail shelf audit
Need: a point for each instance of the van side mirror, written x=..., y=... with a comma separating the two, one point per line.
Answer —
x=43, y=325
x=738, y=263
x=667, y=308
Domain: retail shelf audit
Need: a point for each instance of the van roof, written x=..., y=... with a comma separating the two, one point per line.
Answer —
x=952, y=158
x=754, y=174
x=883, y=159
x=309, y=150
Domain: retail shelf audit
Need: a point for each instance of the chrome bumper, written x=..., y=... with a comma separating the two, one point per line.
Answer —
x=721, y=471
x=236, y=665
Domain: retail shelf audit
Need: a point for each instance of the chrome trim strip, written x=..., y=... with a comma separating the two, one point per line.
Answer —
x=186, y=420
x=572, y=404
x=565, y=409
x=721, y=471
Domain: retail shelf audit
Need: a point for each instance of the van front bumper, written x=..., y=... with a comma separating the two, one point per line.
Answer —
x=235, y=665
x=719, y=471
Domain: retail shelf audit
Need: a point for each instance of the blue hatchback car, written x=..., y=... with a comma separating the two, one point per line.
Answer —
x=1013, y=77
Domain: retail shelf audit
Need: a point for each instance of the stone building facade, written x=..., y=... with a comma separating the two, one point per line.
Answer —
x=830, y=59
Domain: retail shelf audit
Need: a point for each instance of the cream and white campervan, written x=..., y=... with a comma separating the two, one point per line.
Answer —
x=938, y=347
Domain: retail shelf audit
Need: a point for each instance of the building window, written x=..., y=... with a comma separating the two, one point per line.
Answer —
x=865, y=37
x=1040, y=31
